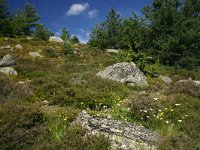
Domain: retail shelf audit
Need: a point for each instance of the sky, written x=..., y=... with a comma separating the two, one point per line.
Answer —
x=78, y=16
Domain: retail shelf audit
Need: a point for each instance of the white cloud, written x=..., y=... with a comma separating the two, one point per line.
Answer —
x=76, y=9
x=93, y=13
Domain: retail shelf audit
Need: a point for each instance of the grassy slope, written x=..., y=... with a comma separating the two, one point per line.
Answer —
x=68, y=84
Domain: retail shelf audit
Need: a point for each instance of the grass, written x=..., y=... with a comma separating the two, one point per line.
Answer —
x=67, y=82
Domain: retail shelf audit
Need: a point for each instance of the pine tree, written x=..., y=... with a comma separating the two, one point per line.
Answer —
x=4, y=19
x=113, y=23
x=75, y=40
x=42, y=32
x=24, y=20
x=65, y=35
x=106, y=34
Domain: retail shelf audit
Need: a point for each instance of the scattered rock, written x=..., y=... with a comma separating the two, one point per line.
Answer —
x=195, y=82
x=55, y=39
x=165, y=79
x=8, y=71
x=122, y=135
x=18, y=46
x=35, y=54
x=112, y=51
x=7, y=60
x=7, y=47
x=126, y=73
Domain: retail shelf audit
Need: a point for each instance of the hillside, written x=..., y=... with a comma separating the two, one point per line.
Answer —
x=39, y=105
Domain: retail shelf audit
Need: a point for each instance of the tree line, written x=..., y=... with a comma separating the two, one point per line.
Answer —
x=25, y=22
x=168, y=30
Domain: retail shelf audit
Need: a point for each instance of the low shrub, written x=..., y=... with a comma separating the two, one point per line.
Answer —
x=10, y=90
x=49, y=52
x=21, y=125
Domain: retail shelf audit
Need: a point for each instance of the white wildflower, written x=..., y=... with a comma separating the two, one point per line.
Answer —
x=145, y=111
x=180, y=120
x=167, y=122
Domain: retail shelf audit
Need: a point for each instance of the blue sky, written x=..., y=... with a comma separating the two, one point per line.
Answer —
x=78, y=16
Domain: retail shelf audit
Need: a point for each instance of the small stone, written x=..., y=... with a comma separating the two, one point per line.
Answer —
x=18, y=46
x=112, y=51
x=165, y=79
x=35, y=55
x=7, y=47
x=8, y=71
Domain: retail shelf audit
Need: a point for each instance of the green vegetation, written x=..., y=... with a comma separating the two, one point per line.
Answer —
x=42, y=32
x=168, y=31
x=38, y=106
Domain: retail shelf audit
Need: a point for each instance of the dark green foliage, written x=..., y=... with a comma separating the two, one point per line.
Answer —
x=67, y=47
x=24, y=20
x=98, y=36
x=4, y=19
x=174, y=31
x=42, y=32
x=106, y=34
x=75, y=40
x=113, y=23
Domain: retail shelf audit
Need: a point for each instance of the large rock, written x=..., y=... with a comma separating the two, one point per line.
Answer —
x=55, y=39
x=122, y=135
x=8, y=71
x=126, y=73
x=7, y=60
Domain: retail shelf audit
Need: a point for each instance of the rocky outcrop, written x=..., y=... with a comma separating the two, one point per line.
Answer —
x=7, y=60
x=122, y=135
x=55, y=39
x=165, y=79
x=35, y=54
x=8, y=71
x=126, y=73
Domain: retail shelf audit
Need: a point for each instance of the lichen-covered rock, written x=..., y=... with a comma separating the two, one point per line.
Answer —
x=7, y=60
x=165, y=79
x=55, y=39
x=8, y=71
x=35, y=54
x=126, y=73
x=122, y=135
